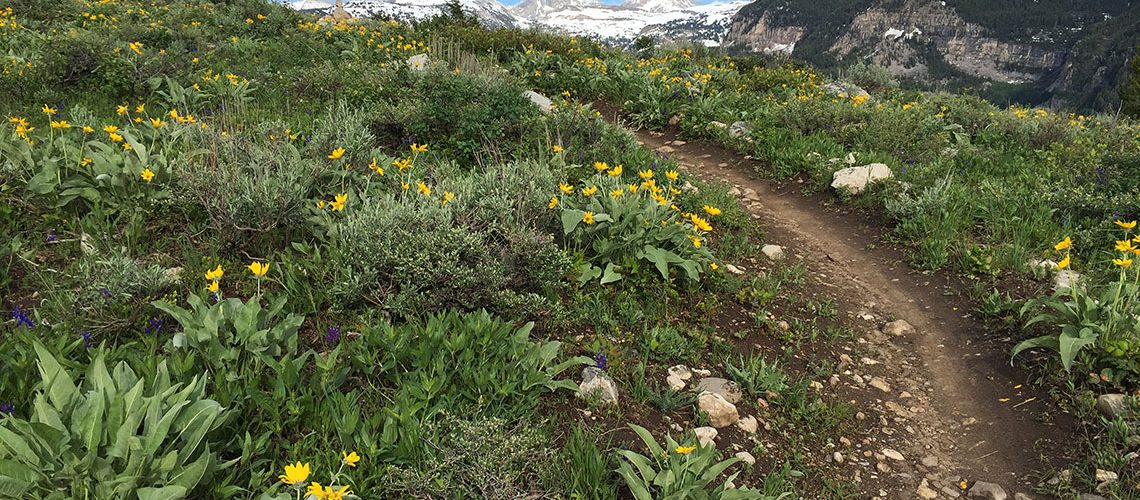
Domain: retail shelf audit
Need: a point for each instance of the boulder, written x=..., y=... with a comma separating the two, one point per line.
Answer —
x=419, y=62
x=596, y=383
x=854, y=180
x=774, y=252
x=721, y=413
x=724, y=388
x=1112, y=406
x=987, y=491
x=544, y=103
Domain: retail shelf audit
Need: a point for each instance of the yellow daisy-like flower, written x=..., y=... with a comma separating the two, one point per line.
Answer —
x=213, y=287
x=566, y=188
x=259, y=269
x=147, y=175
x=294, y=473
x=140, y=108
x=713, y=266
x=557, y=149
x=633, y=188
x=588, y=217
x=350, y=459
x=713, y=211
x=1065, y=244
x=338, y=494
x=115, y=137
x=447, y=196
x=1126, y=225
x=419, y=148
x=1122, y=262
x=616, y=171
x=402, y=164
x=338, y=202
x=336, y=154
x=215, y=273
x=700, y=224
x=321, y=204
x=423, y=188
x=62, y=124
x=553, y=202
x=87, y=129
x=1064, y=262
x=85, y=162
x=375, y=167
x=696, y=241
x=685, y=450
x=645, y=174
x=157, y=123
x=1125, y=246
x=316, y=491
x=405, y=186
x=589, y=191
x=136, y=47
x=121, y=110
x=671, y=174
x=617, y=193
x=601, y=165
x=110, y=129
x=48, y=110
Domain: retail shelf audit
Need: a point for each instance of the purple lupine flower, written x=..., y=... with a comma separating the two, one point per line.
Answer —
x=8, y=408
x=153, y=325
x=105, y=292
x=86, y=336
x=51, y=238
x=333, y=334
x=600, y=360
x=21, y=316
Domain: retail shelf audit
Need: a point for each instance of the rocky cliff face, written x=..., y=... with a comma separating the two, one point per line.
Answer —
x=931, y=41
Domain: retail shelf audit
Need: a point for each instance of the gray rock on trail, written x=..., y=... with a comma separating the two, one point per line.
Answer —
x=419, y=62
x=675, y=383
x=681, y=371
x=544, y=103
x=705, y=435
x=774, y=252
x=596, y=383
x=725, y=388
x=987, y=491
x=721, y=413
x=746, y=457
x=1112, y=406
x=898, y=327
x=854, y=180
x=749, y=425
x=925, y=492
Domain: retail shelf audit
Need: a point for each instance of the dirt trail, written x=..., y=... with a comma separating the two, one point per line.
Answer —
x=946, y=408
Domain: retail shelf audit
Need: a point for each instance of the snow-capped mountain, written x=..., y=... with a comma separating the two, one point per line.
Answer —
x=672, y=20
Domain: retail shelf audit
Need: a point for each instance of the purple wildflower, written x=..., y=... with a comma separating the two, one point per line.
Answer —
x=105, y=292
x=51, y=238
x=87, y=343
x=600, y=360
x=21, y=316
x=333, y=334
x=8, y=408
x=153, y=325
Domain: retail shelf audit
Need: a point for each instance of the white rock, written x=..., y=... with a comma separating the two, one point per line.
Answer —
x=705, y=435
x=419, y=62
x=748, y=424
x=701, y=372
x=746, y=457
x=774, y=252
x=681, y=371
x=892, y=454
x=880, y=384
x=925, y=492
x=854, y=180
x=1106, y=476
x=675, y=383
x=733, y=269
x=837, y=457
x=544, y=103
x=988, y=491
x=898, y=328
x=725, y=388
x=1112, y=406
x=715, y=124
x=596, y=383
x=721, y=413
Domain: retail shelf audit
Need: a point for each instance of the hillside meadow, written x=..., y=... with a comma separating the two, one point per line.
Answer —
x=252, y=253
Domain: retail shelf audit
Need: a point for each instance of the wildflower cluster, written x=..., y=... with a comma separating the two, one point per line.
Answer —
x=297, y=475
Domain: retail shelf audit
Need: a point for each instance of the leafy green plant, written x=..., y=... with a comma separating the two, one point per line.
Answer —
x=231, y=330
x=756, y=375
x=111, y=435
x=678, y=472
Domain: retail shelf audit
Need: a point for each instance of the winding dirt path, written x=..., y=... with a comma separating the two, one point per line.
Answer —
x=954, y=408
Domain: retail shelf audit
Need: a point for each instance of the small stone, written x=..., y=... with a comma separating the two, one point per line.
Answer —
x=783, y=325
x=816, y=385
x=715, y=124
x=880, y=384
x=675, y=383
x=86, y=245
x=748, y=424
x=679, y=143
x=733, y=269
x=898, y=327
x=596, y=383
x=860, y=416
x=666, y=149
x=701, y=373
x=721, y=413
x=837, y=457
x=681, y=371
x=892, y=454
x=738, y=130
x=774, y=252
x=882, y=467
x=746, y=457
x=1021, y=496
x=925, y=491
x=1112, y=406
x=1103, y=476
x=705, y=435
x=987, y=491
x=930, y=461
x=727, y=389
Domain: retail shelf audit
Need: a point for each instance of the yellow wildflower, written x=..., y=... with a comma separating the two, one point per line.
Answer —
x=60, y=124
x=713, y=211
x=85, y=162
x=136, y=47
x=157, y=123
x=685, y=450
x=557, y=149
x=423, y=188
x=713, y=266
x=616, y=171
x=419, y=148
x=331, y=494
x=110, y=129
x=1122, y=262
x=553, y=202
x=350, y=459
x=321, y=204
x=48, y=110
x=645, y=174
x=116, y=137
x=87, y=129
x=216, y=273
x=294, y=473
x=402, y=164
x=140, y=108
x=447, y=196
x=121, y=110
x=1124, y=246
x=1064, y=262
x=1065, y=244
x=617, y=193
x=601, y=165
x=699, y=223
x=1126, y=225
x=336, y=154
x=566, y=188
x=696, y=241
x=338, y=202
x=589, y=191
x=588, y=217
x=405, y=186
x=147, y=174
x=316, y=491
x=213, y=287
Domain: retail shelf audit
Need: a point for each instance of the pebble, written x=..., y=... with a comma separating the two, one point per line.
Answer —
x=893, y=455
x=746, y=457
x=705, y=435
x=880, y=384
